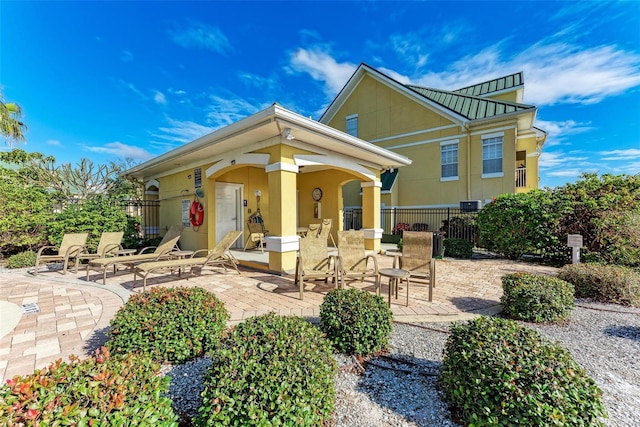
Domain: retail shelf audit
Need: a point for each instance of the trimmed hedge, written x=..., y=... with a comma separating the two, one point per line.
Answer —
x=22, y=260
x=458, y=248
x=536, y=298
x=99, y=391
x=356, y=321
x=604, y=283
x=496, y=372
x=270, y=371
x=168, y=324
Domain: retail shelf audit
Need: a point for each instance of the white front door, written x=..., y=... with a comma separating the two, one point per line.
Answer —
x=228, y=210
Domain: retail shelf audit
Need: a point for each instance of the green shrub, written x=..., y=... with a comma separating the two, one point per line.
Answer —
x=99, y=391
x=168, y=324
x=270, y=371
x=518, y=224
x=536, y=298
x=22, y=260
x=495, y=372
x=356, y=321
x=458, y=248
x=604, y=283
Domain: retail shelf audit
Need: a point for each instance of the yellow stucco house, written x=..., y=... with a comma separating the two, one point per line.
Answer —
x=467, y=146
x=288, y=168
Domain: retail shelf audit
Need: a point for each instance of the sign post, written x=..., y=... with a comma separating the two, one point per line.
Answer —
x=574, y=241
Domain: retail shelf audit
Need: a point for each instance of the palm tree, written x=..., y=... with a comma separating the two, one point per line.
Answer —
x=11, y=127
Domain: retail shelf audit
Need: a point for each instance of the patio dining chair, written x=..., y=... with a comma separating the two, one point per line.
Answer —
x=325, y=231
x=314, y=262
x=71, y=246
x=353, y=262
x=312, y=230
x=110, y=242
x=417, y=258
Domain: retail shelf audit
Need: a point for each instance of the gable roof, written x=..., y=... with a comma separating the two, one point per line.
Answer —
x=471, y=107
x=501, y=84
x=458, y=106
x=265, y=128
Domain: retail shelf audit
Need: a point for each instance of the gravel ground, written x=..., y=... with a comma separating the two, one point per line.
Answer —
x=604, y=339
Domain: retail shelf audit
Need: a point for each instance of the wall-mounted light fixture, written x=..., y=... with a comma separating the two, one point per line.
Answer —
x=286, y=133
x=233, y=162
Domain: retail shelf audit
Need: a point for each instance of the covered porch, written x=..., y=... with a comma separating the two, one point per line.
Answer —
x=276, y=167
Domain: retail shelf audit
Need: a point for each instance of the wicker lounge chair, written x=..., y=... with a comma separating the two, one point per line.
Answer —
x=107, y=246
x=71, y=246
x=169, y=243
x=353, y=262
x=417, y=258
x=314, y=262
x=219, y=256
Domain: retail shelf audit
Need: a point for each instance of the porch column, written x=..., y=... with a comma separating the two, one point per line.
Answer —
x=371, y=214
x=282, y=241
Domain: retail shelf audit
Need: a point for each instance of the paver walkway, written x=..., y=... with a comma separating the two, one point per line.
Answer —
x=74, y=314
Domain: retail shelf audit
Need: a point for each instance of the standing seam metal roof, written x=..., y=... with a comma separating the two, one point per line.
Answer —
x=495, y=85
x=470, y=107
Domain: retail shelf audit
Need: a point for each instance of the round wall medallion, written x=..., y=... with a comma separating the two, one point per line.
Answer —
x=316, y=194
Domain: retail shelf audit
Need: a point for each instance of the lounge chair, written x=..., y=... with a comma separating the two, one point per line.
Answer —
x=417, y=258
x=219, y=256
x=353, y=262
x=169, y=243
x=256, y=235
x=314, y=262
x=110, y=242
x=71, y=246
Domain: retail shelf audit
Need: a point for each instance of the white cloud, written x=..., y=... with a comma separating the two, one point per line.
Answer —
x=321, y=66
x=627, y=154
x=126, y=56
x=122, y=151
x=554, y=73
x=566, y=127
x=554, y=159
x=223, y=111
x=183, y=131
x=202, y=36
x=159, y=97
x=54, y=142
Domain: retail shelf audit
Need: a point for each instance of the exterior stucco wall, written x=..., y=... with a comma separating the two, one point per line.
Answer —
x=391, y=120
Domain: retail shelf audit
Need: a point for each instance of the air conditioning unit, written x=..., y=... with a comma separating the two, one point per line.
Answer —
x=470, y=205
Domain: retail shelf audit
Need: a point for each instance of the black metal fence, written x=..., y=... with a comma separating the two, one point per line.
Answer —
x=149, y=213
x=450, y=222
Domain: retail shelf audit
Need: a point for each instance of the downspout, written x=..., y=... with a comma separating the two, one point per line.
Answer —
x=466, y=126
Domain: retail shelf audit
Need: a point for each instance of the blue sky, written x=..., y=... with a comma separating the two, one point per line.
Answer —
x=114, y=80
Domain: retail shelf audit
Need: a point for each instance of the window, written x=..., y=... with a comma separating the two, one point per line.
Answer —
x=449, y=160
x=492, y=155
x=352, y=125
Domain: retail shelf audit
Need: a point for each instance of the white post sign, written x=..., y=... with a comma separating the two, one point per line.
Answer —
x=574, y=241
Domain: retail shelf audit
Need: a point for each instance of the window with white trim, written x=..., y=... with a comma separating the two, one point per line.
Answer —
x=492, y=155
x=352, y=125
x=449, y=160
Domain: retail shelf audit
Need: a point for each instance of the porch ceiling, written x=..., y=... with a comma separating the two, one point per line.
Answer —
x=267, y=125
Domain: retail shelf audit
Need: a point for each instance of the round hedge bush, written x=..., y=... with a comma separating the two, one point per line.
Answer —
x=270, y=371
x=536, y=298
x=100, y=390
x=496, y=372
x=22, y=260
x=168, y=324
x=605, y=283
x=356, y=321
x=458, y=248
